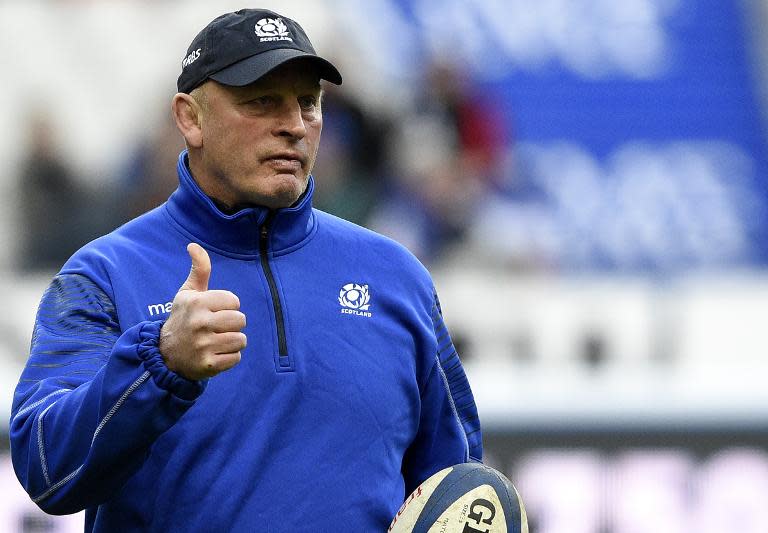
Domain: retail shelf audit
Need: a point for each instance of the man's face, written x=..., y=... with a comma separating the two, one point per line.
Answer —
x=259, y=142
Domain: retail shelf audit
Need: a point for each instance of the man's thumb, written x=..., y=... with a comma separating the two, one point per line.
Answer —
x=200, y=272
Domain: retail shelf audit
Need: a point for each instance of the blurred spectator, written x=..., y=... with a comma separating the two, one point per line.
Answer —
x=148, y=175
x=349, y=164
x=52, y=222
x=479, y=138
x=448, y=151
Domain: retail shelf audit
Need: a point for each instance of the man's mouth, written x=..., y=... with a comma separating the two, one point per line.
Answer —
x=286, y=161
x=285, y=166
x=287, y=156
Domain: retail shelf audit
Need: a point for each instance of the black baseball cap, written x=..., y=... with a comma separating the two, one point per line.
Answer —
x=239, y=48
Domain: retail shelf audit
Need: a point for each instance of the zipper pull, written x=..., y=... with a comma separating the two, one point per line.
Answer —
x=265, y=227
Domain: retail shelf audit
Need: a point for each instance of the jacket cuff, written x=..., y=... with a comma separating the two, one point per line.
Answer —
x=149, y=353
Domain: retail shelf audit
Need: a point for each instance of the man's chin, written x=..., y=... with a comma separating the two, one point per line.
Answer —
x=285, y=191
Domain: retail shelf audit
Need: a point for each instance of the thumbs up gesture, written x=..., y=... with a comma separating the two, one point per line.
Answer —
x=202, y=337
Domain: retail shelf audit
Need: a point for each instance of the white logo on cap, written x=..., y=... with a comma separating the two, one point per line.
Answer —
x=272, y=30
x=191, y=58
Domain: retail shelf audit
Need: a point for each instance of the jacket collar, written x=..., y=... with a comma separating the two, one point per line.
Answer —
x=240, y=232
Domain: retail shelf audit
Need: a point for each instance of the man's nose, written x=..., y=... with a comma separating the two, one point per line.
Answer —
x=291, y=122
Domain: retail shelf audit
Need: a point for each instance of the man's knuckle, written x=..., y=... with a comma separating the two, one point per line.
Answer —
x=200, y=343
x=200, y=322
x=208, y=363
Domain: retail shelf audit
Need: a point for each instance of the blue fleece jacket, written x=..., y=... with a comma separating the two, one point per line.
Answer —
x=348, y=394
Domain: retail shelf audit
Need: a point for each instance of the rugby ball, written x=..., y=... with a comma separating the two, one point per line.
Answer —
x=464, y=498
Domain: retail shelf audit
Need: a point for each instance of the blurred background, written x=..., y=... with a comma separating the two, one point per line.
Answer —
x=587, y=180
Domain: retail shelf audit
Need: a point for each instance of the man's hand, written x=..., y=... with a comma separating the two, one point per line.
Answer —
x=202, y=336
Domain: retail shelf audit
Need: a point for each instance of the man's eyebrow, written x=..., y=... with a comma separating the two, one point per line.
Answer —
x=315, y=86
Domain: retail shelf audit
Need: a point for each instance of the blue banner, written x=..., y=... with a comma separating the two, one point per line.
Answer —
x=637, y=136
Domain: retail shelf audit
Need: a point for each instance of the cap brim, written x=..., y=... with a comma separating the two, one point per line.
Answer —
x=252, y=68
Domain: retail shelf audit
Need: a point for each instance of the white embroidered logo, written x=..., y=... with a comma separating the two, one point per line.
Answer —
x=191, y=58
x=355, y=300
x=272, y=30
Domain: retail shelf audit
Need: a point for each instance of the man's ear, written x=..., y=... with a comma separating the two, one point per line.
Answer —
x=188, y=116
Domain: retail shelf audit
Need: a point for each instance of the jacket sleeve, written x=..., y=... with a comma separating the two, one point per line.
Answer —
x=91, y=399
x=449, y=426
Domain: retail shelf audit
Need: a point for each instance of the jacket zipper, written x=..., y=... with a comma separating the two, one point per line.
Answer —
x=282, y=344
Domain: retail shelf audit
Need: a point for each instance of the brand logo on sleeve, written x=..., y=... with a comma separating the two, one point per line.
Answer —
x=355, y=300
x=159, y=309
x=272, y=30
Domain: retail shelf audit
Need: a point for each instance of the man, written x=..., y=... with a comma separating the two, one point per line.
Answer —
x=300, y=379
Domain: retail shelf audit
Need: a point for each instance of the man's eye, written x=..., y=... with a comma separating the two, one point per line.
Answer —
x=308, y=102
x=261, y=101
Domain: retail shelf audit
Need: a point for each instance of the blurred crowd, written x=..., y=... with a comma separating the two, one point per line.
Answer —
x=581, y=154
x=417, y=175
